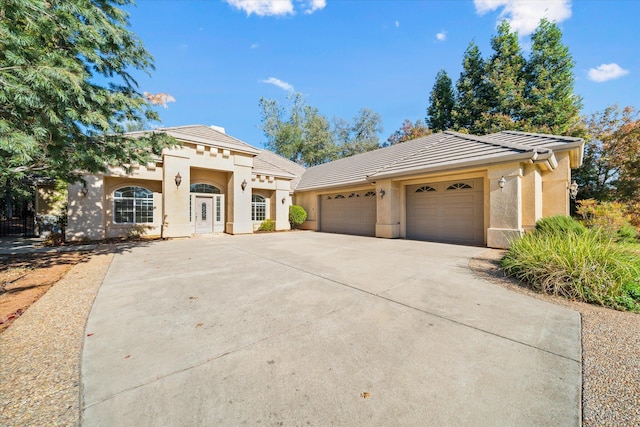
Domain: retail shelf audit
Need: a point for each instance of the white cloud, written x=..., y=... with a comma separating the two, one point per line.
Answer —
x=314, y=5
x=525, y=15
x=276, y=7
x=264, y=7
x=255, y=46
x=397, y=24
x=442, y=36
x=606, y=72
x=277, y=82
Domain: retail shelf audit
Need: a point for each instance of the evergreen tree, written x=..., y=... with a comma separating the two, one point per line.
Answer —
x=551, y=104
x=471, y=92
x=441, y=103
x=65, y=82
x=506, y=82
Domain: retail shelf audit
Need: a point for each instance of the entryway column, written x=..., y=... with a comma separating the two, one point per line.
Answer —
x=282, y=203
x=175, y=198
x=388, y=201
x=505, y=206
x=239, y=196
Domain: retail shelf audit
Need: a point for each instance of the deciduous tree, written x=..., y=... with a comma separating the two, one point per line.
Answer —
x=409, y=131
x=359, y=136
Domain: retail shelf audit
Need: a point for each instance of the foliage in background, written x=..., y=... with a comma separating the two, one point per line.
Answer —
x=587, y=265
x=303, y=135
x=441, y=102
x=611, y=167
x=559, y=224
x=409, y=131
x=471, y=92
x=612, y=218
x=65, y=82
x=297, y=215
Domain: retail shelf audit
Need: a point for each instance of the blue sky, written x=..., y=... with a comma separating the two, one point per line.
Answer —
x=218, y=57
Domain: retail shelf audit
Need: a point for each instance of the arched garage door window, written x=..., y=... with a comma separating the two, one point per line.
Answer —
x=132, y=205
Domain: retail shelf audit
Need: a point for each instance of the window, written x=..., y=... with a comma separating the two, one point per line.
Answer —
x=370, y=194
x=458, y=186
x=425, y=189
x=132, y=205
x=204, y=188
x=339, y=196
x=352, y=195
x=258, y=208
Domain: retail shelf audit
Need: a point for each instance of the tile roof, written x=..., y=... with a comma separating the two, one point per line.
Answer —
x=271, y=163
x=434, y=152
x=206, y=135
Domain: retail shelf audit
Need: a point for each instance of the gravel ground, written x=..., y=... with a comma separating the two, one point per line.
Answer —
x=610, y=352
x=40, y=352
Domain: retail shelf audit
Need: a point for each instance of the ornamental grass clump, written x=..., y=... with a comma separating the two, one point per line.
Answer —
x=586, y=266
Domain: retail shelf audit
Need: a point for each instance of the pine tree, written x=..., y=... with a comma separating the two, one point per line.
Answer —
x=471, y=92
x=551, y=104
x=506, y=82
x=65, y=82
x=441, y=102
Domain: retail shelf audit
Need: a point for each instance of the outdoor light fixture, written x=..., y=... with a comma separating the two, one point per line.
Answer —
x=84, y=191
x=573, y=189
x=284, y=200
x=244, y=184
x=382, y=193
x=178, y=180
x=501, y=183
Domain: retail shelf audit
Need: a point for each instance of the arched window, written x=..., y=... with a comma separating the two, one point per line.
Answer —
x=458, y=186
x=204, y=188
x=258, y=208
x=425, y=189
x=132, y=205
x=370, y=194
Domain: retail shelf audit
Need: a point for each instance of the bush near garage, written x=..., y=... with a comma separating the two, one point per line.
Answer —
x=590, y=265
x=267, y=225
x=297, y=215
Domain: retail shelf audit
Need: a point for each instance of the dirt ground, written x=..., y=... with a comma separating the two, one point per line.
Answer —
x=25, y=278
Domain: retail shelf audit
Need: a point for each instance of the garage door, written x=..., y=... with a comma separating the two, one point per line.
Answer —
x=349, y=213
x=446, y=212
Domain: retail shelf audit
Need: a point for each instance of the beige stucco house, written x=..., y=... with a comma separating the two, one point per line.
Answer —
x=448, y=187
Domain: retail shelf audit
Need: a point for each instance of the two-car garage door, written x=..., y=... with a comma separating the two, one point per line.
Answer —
x=442, y=211
x=446, y=212
x=349, y=213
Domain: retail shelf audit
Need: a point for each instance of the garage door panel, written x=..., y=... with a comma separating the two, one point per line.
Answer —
x=348, y=215
x=452, y=213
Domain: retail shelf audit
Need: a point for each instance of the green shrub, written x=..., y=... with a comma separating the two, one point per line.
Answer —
x=587, y=267
x=136, y=231
x=267, y=225
x=297, y=215
x=627, y=234
x=609, y=216
x=559, y=224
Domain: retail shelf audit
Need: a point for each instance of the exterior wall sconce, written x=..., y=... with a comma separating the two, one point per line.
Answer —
x=501, y=183
x=284, y=200
x=573, y=189
x=84, y=191
x=382, y=193
x=244, y=184
x=178, y=180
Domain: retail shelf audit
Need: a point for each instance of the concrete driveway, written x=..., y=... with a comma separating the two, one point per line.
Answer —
x=303, y=328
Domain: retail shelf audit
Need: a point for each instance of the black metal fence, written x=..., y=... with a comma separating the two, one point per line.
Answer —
x=23, y=225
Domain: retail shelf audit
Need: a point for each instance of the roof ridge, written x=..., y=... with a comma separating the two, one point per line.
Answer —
x=413, y=153
x=274, y=165
x=542, y=135
x=492, y=141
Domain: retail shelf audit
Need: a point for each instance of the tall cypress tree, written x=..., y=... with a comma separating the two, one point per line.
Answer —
x=551, y=104
x=506, y=82
x=471, y=91
x=441, y=103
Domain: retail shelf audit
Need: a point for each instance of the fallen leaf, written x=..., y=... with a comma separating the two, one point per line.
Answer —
x=127, y=356
x=365, y=394
x=89, y=334
x=198, y=325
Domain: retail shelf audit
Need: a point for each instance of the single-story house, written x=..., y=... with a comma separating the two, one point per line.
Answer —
x=448, y=187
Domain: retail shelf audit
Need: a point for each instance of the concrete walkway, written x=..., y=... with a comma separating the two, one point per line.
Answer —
x=318, y=329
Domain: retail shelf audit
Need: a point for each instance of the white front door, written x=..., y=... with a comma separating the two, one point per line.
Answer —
x=204, y=214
